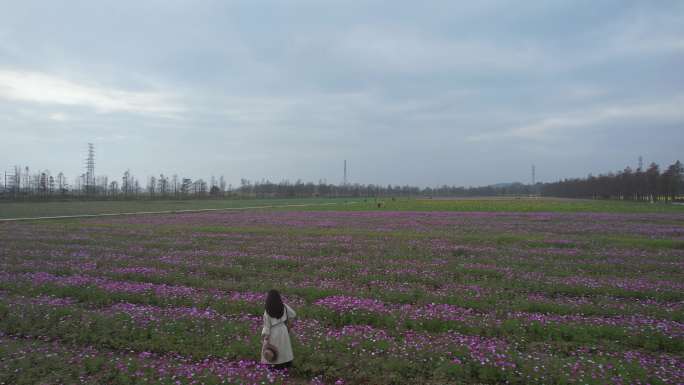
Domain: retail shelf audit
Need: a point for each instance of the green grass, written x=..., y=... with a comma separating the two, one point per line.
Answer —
x=41, y=209
x=507, y=205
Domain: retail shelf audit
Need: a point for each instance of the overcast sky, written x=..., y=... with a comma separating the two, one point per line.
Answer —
x=409, y=92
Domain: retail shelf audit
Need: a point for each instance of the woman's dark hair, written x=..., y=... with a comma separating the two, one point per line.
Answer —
x=274, y=304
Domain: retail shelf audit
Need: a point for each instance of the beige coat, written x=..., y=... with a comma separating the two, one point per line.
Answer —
x=278, y=335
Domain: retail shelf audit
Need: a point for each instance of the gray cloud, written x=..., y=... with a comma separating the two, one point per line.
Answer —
x=432, y=94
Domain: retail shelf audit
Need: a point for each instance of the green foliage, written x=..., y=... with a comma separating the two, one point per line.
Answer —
x=189, y=337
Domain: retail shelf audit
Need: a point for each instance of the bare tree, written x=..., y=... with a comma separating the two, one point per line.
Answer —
x=126, y=183
x=163, y=185
x=61, y=184
x=186, y=187
x=51, y=185
x=151, y=186
x=222, y=186
x=113, y=188
x=43, y=182
x=175, y=186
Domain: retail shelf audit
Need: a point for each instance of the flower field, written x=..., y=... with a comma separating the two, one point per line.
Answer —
x=382, y=297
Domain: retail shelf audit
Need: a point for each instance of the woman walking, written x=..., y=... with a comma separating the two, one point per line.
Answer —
x=277, y=348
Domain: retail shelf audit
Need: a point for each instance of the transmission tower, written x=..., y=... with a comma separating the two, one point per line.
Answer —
x=12, y=181
x=641, y=162
x=90, y=169
x=533, y=176
x=345, y=173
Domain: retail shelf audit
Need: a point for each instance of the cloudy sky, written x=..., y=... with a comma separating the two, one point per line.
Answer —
x=464, y=93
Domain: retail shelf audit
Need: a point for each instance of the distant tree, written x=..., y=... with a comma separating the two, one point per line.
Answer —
x=43, y=182
x=652, y=176
x=672, y=178
x=114, y=188
x=27, y=181
x=174, y=185
x=222, y=185
x=626, y=184
x=163, y=185
x=126, y=183
x=199, y=188
x=245, y=187
x=101, y=185
x=186, y=185
x=152, y=186
x=61, y=184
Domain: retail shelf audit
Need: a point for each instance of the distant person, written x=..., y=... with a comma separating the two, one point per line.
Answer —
x=276, y=347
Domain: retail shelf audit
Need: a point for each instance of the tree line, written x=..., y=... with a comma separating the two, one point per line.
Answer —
x=650, y=184
x=639, y=185
x=22, y=184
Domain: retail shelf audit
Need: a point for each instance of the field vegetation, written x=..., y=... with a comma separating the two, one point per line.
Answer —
x=506, y=204
x=428, y=291
x=76, y=207
x=503, y=204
